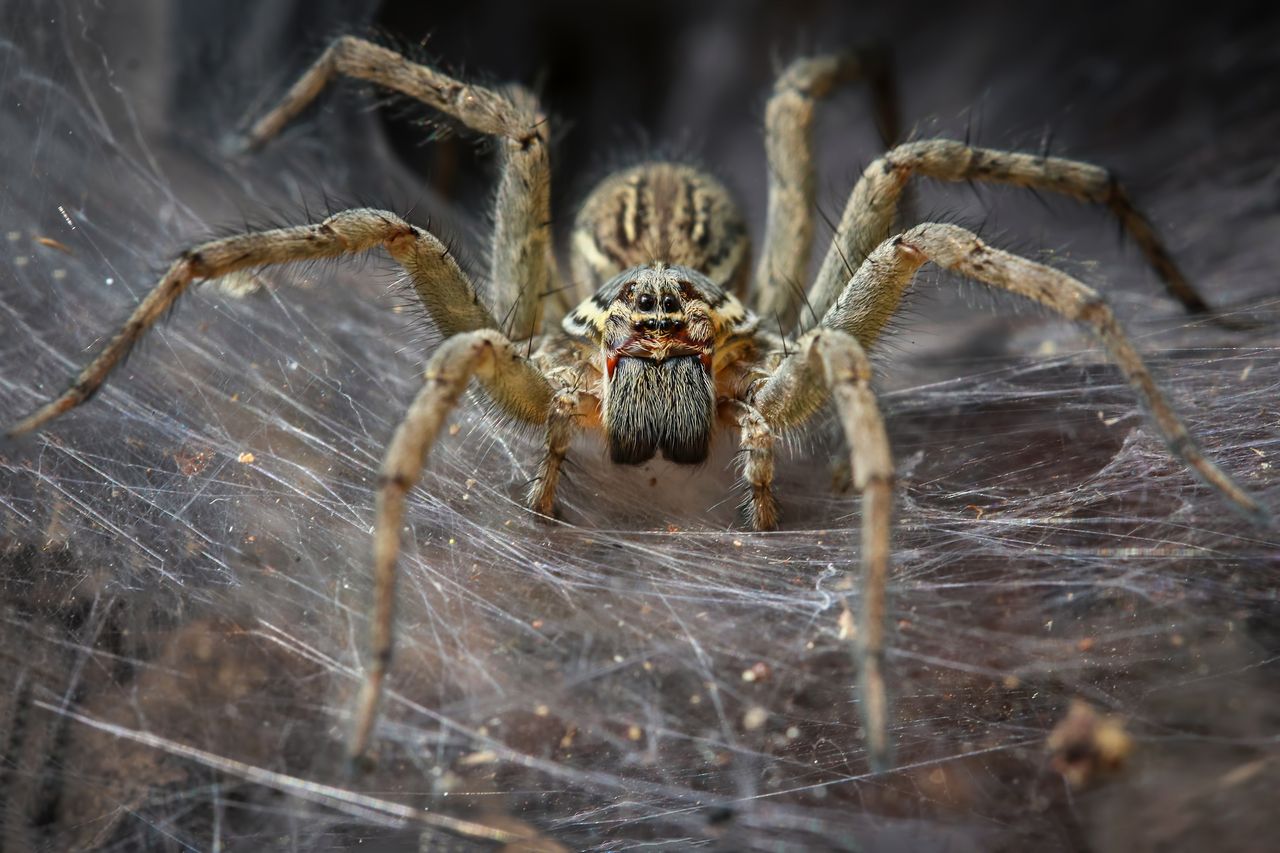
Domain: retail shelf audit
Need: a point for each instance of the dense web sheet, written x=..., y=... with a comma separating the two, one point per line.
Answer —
x=185, y=560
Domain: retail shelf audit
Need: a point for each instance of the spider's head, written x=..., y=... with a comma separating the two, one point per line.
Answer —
x=658, y=328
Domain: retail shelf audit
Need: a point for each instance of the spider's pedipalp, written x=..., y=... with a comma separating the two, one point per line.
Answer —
x=561, y=424
x=759, y=505
x=874, y=292
x=487, y=355
x=870, y=211
x=522, y=263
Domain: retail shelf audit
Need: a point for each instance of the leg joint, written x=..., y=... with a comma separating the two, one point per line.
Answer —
x=396, y=480
x=197, y=266
x=1182, y=446
x=887, y=479
x=382, y=657
x=1095, y=311
x=82, y=391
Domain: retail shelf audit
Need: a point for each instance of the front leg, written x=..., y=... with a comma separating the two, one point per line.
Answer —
x=489, y=357
x=829, y=365
x=875, y=291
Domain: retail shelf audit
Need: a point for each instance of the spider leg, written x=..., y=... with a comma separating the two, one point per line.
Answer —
x=488, y=356
x=561, y=422
x=445, y=291
x=828, y=363
x=522, y=261
x=869, y=213
x=758, y=505
x=874, y=292
x=788, y=135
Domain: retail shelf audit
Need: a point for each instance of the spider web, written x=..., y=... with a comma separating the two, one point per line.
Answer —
x=185, y=559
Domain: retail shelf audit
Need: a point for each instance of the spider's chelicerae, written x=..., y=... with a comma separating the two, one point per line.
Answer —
x=670, y=346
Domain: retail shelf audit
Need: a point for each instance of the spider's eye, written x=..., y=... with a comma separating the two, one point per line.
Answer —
x=670, y=304
x=646, y=302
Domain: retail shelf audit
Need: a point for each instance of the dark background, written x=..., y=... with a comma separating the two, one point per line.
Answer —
x=584, y=682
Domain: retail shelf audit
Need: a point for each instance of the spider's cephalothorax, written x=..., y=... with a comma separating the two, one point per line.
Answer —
x=666, y=246
x=665, y=351
x=659, y=329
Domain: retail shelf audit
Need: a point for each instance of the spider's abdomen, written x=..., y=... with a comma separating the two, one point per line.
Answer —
x=659, y=405
x=660, y=212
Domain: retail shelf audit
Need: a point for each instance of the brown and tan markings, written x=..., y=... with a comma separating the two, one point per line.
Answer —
x=664, y=351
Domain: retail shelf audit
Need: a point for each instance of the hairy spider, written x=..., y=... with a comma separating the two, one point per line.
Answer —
x=664, y=352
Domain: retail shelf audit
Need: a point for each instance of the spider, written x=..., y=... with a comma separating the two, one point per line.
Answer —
x=671, y=346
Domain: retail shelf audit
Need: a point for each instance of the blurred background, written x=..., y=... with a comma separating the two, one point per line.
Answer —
x=184, y=560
